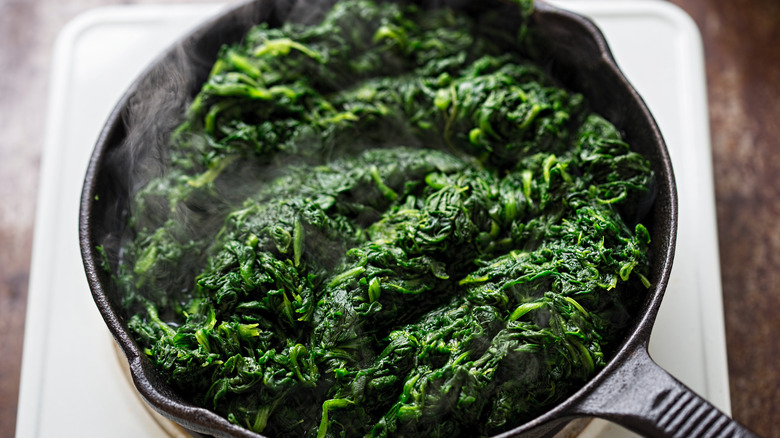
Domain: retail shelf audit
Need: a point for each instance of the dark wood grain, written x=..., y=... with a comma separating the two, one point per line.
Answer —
x=742, y=50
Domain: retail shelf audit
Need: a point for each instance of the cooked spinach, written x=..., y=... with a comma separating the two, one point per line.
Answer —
x=388, y=223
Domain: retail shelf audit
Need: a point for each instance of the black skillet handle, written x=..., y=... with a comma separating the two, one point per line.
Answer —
x=643, y=397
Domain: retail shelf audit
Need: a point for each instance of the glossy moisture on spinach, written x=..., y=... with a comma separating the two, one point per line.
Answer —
x=385, y=224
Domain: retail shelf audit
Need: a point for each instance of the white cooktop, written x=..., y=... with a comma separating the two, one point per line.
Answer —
x=72, y=385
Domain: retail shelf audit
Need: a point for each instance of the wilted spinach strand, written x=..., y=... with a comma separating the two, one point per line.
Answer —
x=385, y=224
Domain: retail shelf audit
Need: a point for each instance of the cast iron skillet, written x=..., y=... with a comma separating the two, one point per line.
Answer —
x=631, y=390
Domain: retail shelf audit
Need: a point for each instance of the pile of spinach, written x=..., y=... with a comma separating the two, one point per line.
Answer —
x=385, y=224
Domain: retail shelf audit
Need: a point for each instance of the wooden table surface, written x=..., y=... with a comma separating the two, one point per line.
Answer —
x=742, y=50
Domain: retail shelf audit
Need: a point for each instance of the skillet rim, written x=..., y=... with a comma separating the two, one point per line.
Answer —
x=202, y=420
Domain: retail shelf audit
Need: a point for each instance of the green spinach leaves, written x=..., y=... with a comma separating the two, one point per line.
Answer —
x=385, y=224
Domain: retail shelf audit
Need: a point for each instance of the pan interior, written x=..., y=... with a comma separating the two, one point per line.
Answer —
x=621, y=106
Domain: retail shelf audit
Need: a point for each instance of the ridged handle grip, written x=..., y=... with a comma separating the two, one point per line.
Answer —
x=643, y=397
x=681, y=413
